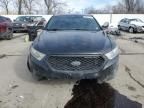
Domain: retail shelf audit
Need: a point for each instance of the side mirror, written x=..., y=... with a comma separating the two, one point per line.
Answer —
x=105, y=25
x=14, y=20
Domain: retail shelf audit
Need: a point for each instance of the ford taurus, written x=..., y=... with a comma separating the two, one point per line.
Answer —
x=73, y=47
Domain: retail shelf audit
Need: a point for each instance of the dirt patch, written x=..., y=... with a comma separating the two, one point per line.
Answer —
x=131, y=88
x=2, y=56
x=128, y=70
x=90, y=94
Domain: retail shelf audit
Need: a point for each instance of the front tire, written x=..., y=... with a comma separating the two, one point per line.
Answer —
x=35, y=75
x=131, y=30
x=119, y=28
x=10, y=36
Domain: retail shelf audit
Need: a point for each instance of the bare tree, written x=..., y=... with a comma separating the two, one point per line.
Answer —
x=53, y=6
x=118, y=9
x=92, y=10
x=18, y=6
x=5, y=4
x=129, y=6
x=28, y=5
x=139, y=6
x=49, y=5
x=19, y=3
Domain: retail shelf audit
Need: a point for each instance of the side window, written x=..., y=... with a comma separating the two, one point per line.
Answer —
x=1, y=19
x=122, y=20
x=127, y=21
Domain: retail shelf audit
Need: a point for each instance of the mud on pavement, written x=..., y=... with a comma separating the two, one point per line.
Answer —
x=90, y=94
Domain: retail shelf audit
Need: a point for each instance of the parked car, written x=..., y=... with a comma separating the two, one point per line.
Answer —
x=73, y=46
x=111, y=29
x=6, y=29
x=21, y=23
x=131, y=25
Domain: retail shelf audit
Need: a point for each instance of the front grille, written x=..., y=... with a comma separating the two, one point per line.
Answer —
x=17, y=25
x=69, y=63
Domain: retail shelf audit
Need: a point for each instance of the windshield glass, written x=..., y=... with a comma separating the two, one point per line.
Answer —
x=73, y=22
x=23, y=18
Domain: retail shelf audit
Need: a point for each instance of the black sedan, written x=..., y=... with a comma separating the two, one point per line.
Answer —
x=73, y=47
x=22, y=23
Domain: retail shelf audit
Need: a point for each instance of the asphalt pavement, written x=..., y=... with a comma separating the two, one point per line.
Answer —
x=19, y=90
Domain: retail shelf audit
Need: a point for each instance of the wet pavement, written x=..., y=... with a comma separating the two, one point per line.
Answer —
x=90, y=94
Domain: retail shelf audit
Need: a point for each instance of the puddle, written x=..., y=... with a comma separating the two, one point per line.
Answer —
x=90, y=94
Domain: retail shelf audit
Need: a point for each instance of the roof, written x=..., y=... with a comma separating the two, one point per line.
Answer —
x=73, y=15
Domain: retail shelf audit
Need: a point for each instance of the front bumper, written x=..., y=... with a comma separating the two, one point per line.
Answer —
x=140, y=29
x=20, y=28
x=3, y=34
x=42, y=68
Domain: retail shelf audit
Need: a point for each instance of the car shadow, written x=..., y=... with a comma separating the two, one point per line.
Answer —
x=1, y=39
x=90, y=94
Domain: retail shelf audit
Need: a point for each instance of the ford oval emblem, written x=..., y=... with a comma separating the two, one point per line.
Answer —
x=76, y=63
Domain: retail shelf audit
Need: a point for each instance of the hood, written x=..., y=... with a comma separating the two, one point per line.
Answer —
x=137, y=23
x=20, y=22
x=63, y=42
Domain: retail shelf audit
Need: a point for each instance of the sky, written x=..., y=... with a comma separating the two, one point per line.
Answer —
x=79, y=5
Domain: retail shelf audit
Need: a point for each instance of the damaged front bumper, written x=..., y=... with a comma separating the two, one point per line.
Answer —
x=106, y=73
x=140, y=29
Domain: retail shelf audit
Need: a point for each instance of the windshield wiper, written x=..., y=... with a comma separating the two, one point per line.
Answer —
x=52, y=29
x=83, y=29
x=68, y=29
x=79, y=29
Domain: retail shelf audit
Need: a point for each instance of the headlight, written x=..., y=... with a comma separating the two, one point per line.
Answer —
x=38, y=55
x=111, y=55
x=33, y=24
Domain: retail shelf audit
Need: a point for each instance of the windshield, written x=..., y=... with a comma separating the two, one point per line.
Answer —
x=23, y=18
x=73, y=22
